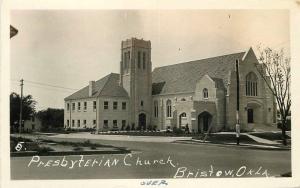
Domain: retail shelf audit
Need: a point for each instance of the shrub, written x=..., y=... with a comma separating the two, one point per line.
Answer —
x=128, y=128
x=86, y=143
x=133, y=127
x=93, y=147
x=44, y=149
x=77, y=148
x=177, y=130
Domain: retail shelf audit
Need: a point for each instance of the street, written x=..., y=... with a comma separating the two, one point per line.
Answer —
x=158, y=160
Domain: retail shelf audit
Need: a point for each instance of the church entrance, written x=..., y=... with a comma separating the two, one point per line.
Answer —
x=204, y=121
x=142, y=121
x=250, y=115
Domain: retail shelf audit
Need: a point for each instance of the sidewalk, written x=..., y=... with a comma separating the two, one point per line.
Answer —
x=121, y=137
x=259, y=143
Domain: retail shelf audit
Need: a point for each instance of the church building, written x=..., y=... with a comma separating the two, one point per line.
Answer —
x=200, y=94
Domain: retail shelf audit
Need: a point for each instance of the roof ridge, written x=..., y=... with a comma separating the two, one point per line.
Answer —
x=194, y=61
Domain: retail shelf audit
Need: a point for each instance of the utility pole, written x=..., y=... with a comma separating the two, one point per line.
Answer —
x=21, y=106
x=237, y=127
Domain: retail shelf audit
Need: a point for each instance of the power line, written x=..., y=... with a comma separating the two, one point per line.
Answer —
x=44, y=87
x=48, y=85
x=39, y=83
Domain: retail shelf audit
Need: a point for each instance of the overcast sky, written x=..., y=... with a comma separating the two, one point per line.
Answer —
x=68, y=48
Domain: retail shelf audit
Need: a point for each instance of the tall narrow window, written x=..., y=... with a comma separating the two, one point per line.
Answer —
x=78, y=106
x=205, y=93
x=115, y=105
x=144, y=60
x=123, y=105
x=68, y=123
x=94, y=105
x=155, y=109
x=139, y=60
x=251, y=84
x=84, y=105
x=115, y=124
x=169, y=108
x=78, y=123
x=68, y=106
x=105, y=105
x=105, y=124
x=73, y=122
x=73, y=106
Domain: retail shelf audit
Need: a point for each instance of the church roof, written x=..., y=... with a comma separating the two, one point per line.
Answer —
x=106, y=86
x=183, y=77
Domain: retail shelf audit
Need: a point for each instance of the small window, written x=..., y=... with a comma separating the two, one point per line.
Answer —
x=73, y=106
x=94, y=105
x=84, y=122
x=68, y=106
x=84, y=105
x=123, y=105
x=115, y=105
x=205, y=93
x=139, y=60
x=123, y=123
x=78, y=123
x=144, y=60
x=94, y=122
x=73, y=122
x=105, y=124
x=142, y=103
x=105, y=105
x=68, y=123
x=115, y=124
x=78, y=106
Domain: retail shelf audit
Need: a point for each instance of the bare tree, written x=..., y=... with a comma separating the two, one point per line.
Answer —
x=274, y=67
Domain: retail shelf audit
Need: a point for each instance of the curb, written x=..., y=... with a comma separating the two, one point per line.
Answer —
x=61, y=153
x=231, y=145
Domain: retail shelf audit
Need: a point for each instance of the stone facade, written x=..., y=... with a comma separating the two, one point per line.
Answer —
x=200, y=94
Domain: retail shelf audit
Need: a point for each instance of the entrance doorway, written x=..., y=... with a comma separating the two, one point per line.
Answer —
x=204, y=121
x=182, y=120
x=142, y=121
x=250, y=115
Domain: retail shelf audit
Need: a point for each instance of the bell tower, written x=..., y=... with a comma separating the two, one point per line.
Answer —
x=135, y=78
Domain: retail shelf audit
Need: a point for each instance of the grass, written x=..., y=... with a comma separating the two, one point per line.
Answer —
x=226, y=138
x=15, y=140
x=269, y=135
x=150, y=133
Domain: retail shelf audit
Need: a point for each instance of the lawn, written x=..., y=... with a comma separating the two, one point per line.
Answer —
x=226, y=138
x=269, y=135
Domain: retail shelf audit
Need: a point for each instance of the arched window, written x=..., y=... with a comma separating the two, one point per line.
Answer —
x=205, y=93
x=251, y=84
x=169, y=108
x=183, y=114
x=155, y=109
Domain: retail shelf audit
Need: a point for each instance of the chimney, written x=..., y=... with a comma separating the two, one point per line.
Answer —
x=91, y=88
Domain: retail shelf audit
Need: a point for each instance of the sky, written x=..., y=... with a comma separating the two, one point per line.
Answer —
x=68, y=48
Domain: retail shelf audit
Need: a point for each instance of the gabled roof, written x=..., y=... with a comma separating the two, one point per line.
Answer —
x=183, y=77
x=106, y=86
